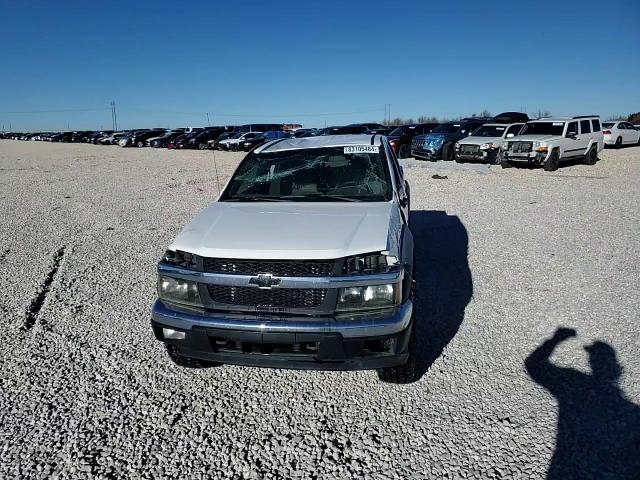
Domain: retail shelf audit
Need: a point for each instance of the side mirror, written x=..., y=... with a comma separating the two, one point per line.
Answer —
x=571, y=135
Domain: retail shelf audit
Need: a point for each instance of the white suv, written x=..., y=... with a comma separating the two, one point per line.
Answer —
x=484, y=143
x=548, y=141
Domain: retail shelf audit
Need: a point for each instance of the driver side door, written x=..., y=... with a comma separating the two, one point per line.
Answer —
x=571, y=141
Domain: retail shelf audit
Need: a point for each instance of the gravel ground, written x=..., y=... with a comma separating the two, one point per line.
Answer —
x=505, y=257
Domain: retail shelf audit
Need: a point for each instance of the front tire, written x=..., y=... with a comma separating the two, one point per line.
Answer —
x=201, y=146
x=551, y=163
x=591, y=157
x=187, y=362
x=447, y=152
x=407, y=373
x=140, y=144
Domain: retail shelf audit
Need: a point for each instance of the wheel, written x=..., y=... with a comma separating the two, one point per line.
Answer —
x=505, y=163
x=407, y=373
x=592, y=156
x=404, y=151
x=201, y=146
x=618, y=142
x=447, y=152
x=496, y=158
x=551, y=163
x=187, y=362
x=140, y=144
x=458, y=159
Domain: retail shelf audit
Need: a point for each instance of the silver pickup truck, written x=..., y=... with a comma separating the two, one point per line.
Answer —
x=304, y=261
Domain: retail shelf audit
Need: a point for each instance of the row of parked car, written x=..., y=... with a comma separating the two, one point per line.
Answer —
x=243, y=137
x=502, y=140
x=512, y=138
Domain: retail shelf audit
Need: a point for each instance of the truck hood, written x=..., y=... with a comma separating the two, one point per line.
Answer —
x=291, y=230
x=532, y=138
x=479, y=140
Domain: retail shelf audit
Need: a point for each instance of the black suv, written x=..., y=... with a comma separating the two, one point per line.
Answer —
x=439, y=143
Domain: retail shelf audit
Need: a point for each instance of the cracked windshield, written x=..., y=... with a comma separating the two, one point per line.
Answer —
x=323, y=174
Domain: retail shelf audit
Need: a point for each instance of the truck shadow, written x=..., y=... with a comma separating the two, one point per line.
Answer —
x=444, y=285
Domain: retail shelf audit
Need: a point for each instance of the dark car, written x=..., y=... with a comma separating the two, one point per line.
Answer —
x=301, y=132
x=258, y=127
x=97, y=136
x=79, y=137
x=182, y=141
x=259, y=139
x=439, y=143
x=200, y=140
x=345, y=130
x=400, y=138
x=163, y=140
x=139, y=139
x=173, y=143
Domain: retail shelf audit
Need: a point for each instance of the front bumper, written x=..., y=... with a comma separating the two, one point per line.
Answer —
x=479, y=156
x=365, y=341
x=427, y=154
x=536, y=158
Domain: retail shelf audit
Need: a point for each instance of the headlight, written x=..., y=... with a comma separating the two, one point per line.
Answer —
x=181, y=259
x=486, y=146
x=369, y=263
x=370, y=297
x=178, y=291
x=540, y=148
x=505, y=146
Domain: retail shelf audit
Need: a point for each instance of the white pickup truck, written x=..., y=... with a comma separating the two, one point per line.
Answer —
x=549, y=141
x=304, y=261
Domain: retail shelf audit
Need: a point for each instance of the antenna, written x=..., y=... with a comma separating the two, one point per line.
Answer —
x=215, y=165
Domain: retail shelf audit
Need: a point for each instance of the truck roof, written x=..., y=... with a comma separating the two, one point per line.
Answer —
x=323, y=141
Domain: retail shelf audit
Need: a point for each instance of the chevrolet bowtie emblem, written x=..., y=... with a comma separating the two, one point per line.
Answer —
x=264, y=280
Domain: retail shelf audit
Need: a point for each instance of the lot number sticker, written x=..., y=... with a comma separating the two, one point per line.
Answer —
x=362, y=149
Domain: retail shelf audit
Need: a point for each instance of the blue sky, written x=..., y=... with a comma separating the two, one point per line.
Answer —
x=169, y=63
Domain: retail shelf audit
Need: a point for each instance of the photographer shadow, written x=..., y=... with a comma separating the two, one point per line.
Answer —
x=598, y=433
x=444, y=285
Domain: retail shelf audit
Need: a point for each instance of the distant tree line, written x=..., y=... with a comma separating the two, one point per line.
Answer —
x=634, y=118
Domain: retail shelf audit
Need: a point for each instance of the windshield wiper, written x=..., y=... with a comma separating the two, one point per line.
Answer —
x=316, y=196
x=254, y=199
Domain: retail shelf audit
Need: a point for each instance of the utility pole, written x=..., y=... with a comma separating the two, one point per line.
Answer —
x=114, y=117
x=208, y=123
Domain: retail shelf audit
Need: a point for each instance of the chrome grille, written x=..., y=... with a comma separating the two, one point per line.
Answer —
x=278, y=268
x=469, y=149
x=256, y=297
x=521, y=147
